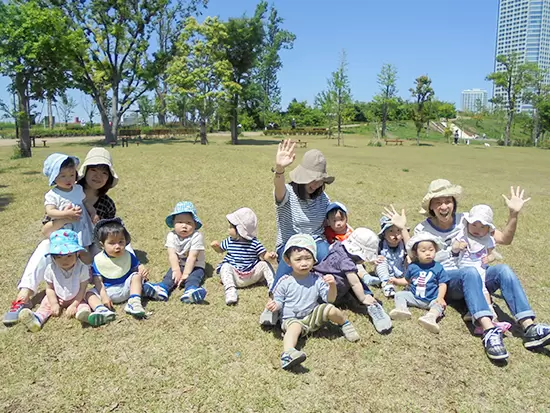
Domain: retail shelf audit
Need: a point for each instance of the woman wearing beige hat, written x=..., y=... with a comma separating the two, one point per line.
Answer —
x=97, y=176
x=439, y=205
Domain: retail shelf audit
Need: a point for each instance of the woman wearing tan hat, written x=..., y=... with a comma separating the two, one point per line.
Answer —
x=301, y=204
x=439, y=205
x=97, y=177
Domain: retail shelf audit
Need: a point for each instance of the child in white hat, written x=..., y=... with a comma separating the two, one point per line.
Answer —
x=342, y=261
x=244, y=263
x=427, y=282
x=297, y=295
x=473, y=247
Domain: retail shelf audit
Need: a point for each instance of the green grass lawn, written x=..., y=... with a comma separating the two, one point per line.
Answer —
x=214, y=358
x=493, y=128
x=396, y=130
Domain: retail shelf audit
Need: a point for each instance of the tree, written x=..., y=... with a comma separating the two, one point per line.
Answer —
x=325, y=101
x=275, y=40
x=34, y=45
x=116, y=63
x=66, y=107
x=244, y=43
x=422, y=93
x=146, y=109
x=90, y=108
x=200, y=69
x=179, y=105
x=387, y=79
x=537, y=95
x=514, y=78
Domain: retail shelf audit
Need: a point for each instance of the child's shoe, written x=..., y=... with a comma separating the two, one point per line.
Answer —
x=231, y=296
x=388, y=290
x=381, y=321
x=429, y=322
x=193, y=295
x=536, y=336
x=30, y=320
x=148, y=290
x=161, y=292
x=349, y=332
x=82, y=315
x=371, y=281
x=399, y=314
x=135, y=308
x=292, y=358
x=101, y=315
x=11, y=317
x=269, y=318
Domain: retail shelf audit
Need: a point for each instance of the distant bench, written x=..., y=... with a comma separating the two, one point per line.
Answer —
x=396, y=141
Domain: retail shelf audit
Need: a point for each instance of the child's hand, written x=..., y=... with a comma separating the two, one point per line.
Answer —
x=182, y=279
x=379, y=260
x=392, y=280
x=485, y=260
x=96, y=219
x=441, y=302
x=176, y=276
x=459, y=246
x=272, y=306
x=215, y=244
x=71, y=310
x=56, y=310
x=106, y=301
x=329, y=279
x=271, y=255
x=74, y=213
x=400, y=221
x=144, y=272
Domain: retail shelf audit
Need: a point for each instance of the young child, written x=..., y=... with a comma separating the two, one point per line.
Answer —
x=117, y=274
x=427, y=282
x=337, y=228
x=66, y=278
x=186, y=255
x=473, y=247
x=392, y=253
x=297, y=295
x=245, y=262
x=66, y=199
x=342, y=261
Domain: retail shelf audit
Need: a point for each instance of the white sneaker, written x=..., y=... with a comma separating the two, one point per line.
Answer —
x=231, y=296
x=388, y=290
x=82, y=315
x=397, y=314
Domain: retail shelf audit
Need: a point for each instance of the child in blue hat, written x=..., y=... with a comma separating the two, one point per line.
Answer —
x=66, y=199
x=67, y=278
x=186, y=255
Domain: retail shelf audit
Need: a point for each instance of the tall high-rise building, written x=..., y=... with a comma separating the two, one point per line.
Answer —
x=524, y=28
x=474, y=100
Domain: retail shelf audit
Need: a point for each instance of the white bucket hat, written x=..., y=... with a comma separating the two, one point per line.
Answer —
x=424, y=236
x=245, y=221
x=363, y=243
x=302, y=241
x=481, y=213
x=98, y=156
x=439, y=188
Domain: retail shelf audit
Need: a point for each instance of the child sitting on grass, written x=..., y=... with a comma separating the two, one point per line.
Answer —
x=118, y=274
x=186, y=255
x=244, y=264
x=66, y=278
x=337, y=227
x=297, y=295
x=427, y=282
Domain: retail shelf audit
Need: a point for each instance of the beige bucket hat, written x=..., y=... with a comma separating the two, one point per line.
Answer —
x=424, y=236
x=363, y=243
x=245, y=221
x=312, y=168
x=302, y=241
x=98, y=156
x=439, y=188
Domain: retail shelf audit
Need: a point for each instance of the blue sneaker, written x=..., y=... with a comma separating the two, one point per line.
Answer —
x=153, y=291
x=292, y=358
x=12, y=316
x=193, y=295
x=161, y=291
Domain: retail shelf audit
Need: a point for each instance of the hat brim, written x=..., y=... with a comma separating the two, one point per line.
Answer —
x=365, y=254
x=387, y=225
x=301, y=175
x=471, y=220
x=170, y=219
x=71, y=250
x=55, y=172
x=454, y=191
x=96, y=161
x=241, y=230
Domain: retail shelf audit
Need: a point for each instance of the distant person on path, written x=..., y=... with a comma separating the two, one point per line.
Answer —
x=440, y=205
x=293, y=123
x=456, y=136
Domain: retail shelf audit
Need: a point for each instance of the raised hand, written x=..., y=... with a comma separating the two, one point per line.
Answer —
x=399, y=220
x=285, y=154
x=515, y=202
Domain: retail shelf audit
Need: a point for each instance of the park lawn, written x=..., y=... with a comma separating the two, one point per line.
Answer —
x=492, y=127
x=395, y=130
x=214, y=358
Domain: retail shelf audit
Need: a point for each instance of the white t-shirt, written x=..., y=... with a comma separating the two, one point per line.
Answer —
x=66, y=284
x=183, y=245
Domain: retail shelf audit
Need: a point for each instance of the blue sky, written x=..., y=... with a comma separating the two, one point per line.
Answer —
x=452, y=41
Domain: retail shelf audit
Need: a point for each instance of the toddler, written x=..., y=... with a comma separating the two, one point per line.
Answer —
x=244, y=264
x=473, y=247
x=66, y=281
x=186, y=255
x=427, y=282
x=118, y=275
x=337, y=228
x=342, y=261
x=297, y=295
x=66, y=199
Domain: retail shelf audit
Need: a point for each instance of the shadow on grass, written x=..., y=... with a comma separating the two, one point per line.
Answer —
x=3, y=186
x=31, y=173
x=5, y=200
x=141, y=256
x=426, y=144
x=256, y=142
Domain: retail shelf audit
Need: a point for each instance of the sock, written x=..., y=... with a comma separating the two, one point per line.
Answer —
x=135, y=298
x=101, y=308
x=345, y=323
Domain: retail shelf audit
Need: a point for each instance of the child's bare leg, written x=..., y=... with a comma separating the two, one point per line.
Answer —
x=93, y=300
x=292, y=335
x=86, y=257
x=136, y=285
x=357, y=287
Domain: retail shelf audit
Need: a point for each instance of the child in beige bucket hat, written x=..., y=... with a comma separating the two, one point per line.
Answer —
x=245, y=261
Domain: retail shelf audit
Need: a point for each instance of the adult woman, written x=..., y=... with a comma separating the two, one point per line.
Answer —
x=97, y=177
x=439, y=205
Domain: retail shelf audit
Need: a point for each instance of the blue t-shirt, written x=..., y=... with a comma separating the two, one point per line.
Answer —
x=424, y=280
x=241, y=254
x=298, y=297
x=114, y=271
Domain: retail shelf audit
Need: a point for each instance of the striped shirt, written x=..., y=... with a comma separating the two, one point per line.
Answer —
x=242, y=255
x=300, y=216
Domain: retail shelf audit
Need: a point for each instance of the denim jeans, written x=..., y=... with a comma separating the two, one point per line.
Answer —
x=193, y=281
x=465, y=283
x=283, y=268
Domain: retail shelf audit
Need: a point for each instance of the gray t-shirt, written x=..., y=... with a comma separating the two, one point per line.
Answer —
x=298, y=296
x=184, y=245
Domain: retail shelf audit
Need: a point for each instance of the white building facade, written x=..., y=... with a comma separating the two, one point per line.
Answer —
x=474, y=100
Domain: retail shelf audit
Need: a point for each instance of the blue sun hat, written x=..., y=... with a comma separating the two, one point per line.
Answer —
x=385, y=223
x=184, y=207
x=52, y=165
x=64, y=242
x=336, y=205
